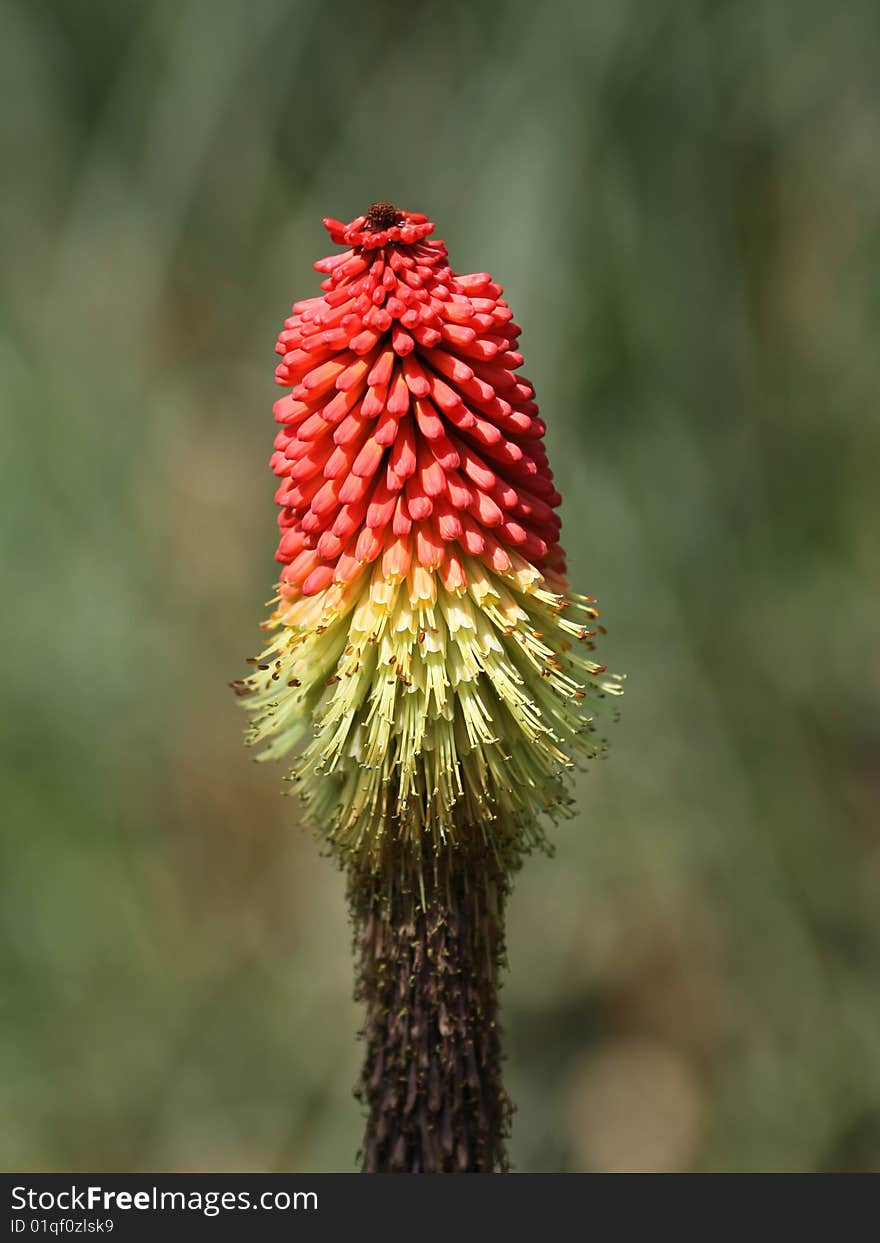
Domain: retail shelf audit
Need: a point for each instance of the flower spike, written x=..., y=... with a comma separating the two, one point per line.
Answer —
x=429, y=673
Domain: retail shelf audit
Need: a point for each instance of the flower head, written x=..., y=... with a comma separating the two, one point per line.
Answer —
x=429, y=669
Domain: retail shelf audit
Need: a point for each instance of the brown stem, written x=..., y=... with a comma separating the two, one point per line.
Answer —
x=428, y=966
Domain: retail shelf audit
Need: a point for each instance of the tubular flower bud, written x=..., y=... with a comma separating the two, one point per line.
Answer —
x=428, y=670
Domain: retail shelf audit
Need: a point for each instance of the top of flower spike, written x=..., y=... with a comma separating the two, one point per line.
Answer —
x=382, y=224
x=409, y=438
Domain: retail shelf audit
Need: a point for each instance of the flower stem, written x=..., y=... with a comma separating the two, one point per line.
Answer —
x=429, y=955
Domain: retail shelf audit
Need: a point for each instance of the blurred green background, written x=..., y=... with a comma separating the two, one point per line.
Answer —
x=682, y=201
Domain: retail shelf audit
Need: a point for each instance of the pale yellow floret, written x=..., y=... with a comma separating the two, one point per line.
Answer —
x=428, y=713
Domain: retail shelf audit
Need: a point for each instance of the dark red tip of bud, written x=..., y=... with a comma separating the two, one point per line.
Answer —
x=384, y=224
x=383, y=216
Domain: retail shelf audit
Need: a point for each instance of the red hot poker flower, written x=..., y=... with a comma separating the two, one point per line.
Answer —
x=419, y=533
x=429, y=669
